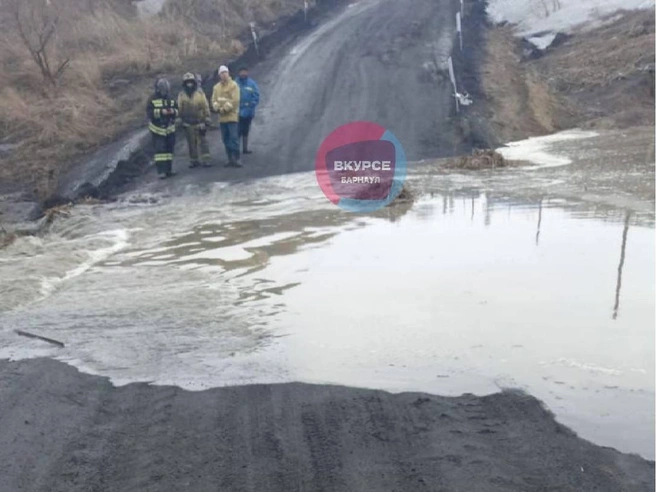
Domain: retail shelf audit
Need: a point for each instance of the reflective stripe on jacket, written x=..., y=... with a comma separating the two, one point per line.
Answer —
x=158, y=123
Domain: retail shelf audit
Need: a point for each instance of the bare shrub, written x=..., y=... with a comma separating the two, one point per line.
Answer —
x=37, y=23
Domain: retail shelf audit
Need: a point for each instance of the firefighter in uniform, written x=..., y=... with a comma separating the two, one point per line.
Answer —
x=195, y=116
x=162, y=112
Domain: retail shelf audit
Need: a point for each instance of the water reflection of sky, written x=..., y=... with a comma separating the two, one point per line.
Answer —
x=459, y=291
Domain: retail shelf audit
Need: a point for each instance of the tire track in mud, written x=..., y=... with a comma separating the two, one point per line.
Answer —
x=290, y=437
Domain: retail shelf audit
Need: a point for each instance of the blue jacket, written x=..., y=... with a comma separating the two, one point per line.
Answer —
x=250, y=97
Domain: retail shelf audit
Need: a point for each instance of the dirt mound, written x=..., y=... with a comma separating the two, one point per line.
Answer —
x=519, y=101
x=479, y=159
x=406, y=195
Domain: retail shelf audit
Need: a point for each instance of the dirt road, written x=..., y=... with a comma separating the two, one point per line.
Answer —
x=375, y=60
x=70, y=432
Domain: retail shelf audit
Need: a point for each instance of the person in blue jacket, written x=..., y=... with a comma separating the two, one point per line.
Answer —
x=250, y=98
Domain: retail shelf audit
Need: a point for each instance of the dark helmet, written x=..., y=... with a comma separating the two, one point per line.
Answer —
x=163, y=87
x=189, y=82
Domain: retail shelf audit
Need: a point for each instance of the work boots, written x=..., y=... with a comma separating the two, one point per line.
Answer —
x=233, y=160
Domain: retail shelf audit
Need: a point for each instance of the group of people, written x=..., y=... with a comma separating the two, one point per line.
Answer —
x=235, y=101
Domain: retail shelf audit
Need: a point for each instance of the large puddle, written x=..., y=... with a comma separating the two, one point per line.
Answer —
x=464, y=290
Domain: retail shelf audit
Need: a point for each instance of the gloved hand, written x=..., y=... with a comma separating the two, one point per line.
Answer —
x=202, y=128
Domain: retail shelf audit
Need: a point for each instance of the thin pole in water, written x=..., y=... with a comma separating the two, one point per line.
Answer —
x=620, y=268
x=537, y=235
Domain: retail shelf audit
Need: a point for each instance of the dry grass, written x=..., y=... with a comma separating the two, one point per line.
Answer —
x=115, y=56
x=597, y=78
x=599, y=57
x=607, y=71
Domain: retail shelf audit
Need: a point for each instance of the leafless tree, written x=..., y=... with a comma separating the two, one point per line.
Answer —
x=37, y=23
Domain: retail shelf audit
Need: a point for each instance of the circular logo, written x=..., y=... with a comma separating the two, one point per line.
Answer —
x=361, y=167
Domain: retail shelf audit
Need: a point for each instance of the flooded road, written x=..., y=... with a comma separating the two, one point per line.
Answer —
x=469, y=288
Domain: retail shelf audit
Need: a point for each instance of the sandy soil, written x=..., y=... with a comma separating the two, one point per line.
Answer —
x=520, y=102
x=66, y=431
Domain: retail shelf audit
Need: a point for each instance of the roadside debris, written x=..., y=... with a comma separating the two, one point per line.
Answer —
x=406, y=195
x=60, y=211
x=6, y=238
x=45, y=339
x=480, y=159
x=464, y=99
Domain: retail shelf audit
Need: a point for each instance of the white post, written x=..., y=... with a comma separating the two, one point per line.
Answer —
x=459, y=27
x=305, y=9
x=254, y=34
x=452, y=74
x=462, y=7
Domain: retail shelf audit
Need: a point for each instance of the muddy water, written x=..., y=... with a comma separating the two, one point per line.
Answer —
x=471, y=288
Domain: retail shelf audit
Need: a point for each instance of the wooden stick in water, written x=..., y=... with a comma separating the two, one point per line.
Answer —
x=30, y=335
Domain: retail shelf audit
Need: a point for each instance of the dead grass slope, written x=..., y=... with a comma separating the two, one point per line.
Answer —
x=607, y=72
x=114, y=58
x=601, y=77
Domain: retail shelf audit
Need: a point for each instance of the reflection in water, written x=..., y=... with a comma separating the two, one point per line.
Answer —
x=537, y=235
x=620, y=268
x=445, y=306
x=400, y=299
x=488, y=206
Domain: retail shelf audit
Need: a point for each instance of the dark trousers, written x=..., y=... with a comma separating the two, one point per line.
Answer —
x=244, y=126
x=164, y=147
x=230, y=137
